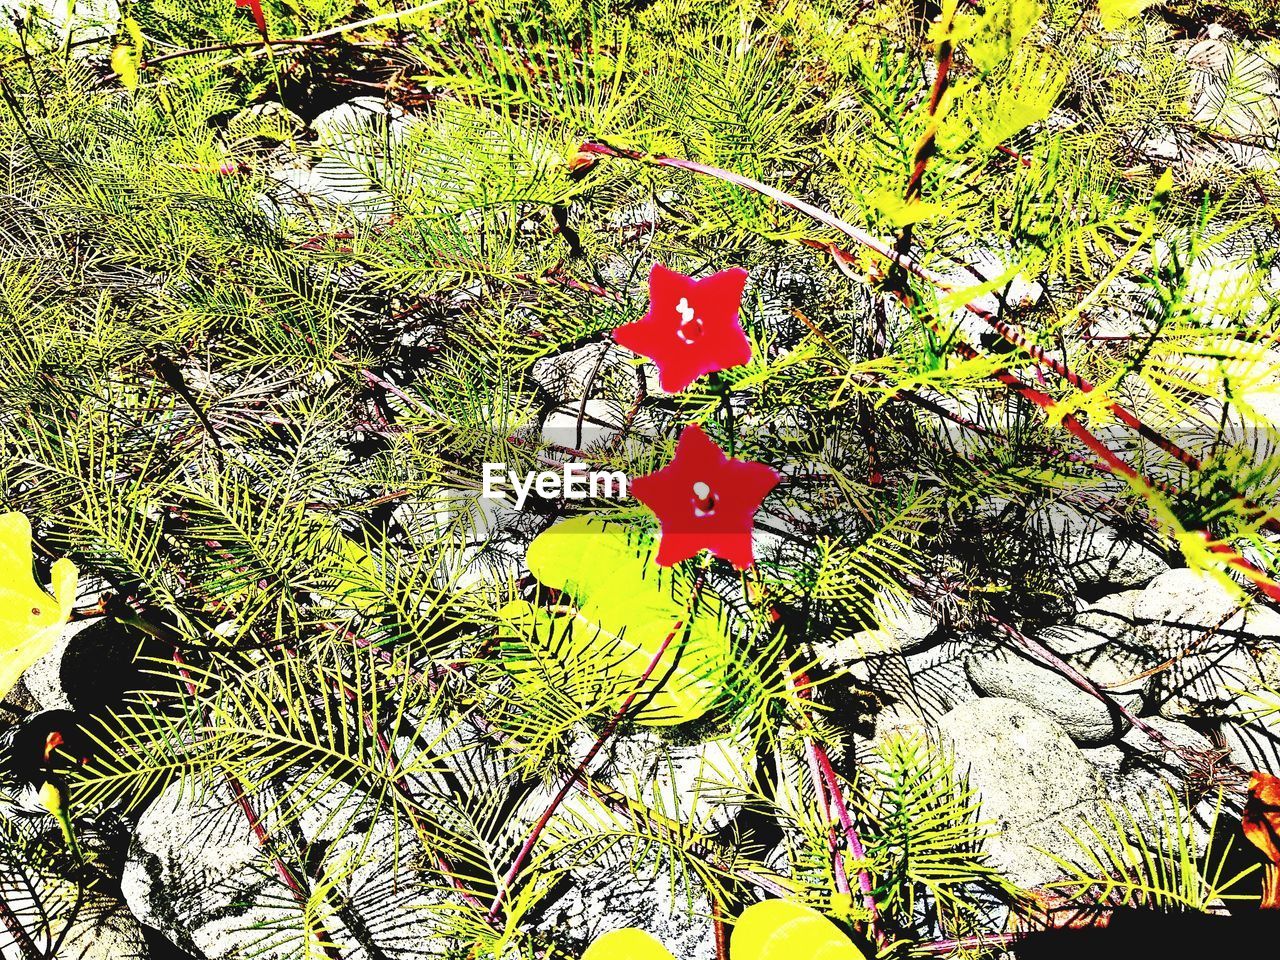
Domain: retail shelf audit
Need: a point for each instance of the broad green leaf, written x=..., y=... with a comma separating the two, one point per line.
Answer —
x=783, y=930
x=135, y=33
x=618, y=609
x=1115, y=12
x=628, y=943
x=31, y=621
x=125, y=59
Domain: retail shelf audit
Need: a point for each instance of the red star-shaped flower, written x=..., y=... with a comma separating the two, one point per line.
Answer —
x=703, y=499
x=692, y=326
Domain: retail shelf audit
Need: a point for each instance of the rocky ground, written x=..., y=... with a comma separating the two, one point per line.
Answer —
x=1050, y=762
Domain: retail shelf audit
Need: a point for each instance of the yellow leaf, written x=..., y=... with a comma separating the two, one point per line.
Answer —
x=627, y=944
x=135, y=33
x=900, y=212
x=620, y=610
x=783, y=930
x=1115, y=12
x=124, y=61
x=1163, y=187
x=31, y=621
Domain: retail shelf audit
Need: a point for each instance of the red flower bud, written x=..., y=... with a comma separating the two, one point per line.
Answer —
x=256, y=7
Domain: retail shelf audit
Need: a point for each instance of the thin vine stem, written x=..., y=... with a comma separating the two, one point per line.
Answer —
x=263, y=836
x=903, y=261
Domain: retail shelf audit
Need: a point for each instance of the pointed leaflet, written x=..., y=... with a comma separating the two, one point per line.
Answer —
x=31, y=621
x=619, y=607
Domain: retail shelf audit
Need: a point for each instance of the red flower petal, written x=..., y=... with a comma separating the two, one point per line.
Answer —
x=704, y=500
x=692, y=326
x=258, y=18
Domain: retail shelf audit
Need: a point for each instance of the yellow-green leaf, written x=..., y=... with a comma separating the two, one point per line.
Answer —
x=124, y=61
x=1115, y=12
x=899, y=212
x=617, y=609
x=628, y=943
x=135, y=33
x=990, y=38
x=783, y=930
x=1162, y=190
x=31, y=621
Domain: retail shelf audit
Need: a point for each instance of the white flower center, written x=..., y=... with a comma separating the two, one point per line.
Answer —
x=704, y=504
x=690, y=324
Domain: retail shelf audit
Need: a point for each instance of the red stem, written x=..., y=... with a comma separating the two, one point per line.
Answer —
x=261, y=833
x=828, y=785
x=18, y=932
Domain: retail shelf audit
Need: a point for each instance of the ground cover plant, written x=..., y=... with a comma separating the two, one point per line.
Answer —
x=918, y=593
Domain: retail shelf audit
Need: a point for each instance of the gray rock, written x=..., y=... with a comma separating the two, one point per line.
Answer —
x=269, y=120
x=584, y=372
x=192, y=873
x=102, y=929
x=88, y=14
x=1254, y=740
x=698, y=783
x=92, y=665
x=938, y=681
x=1196, y=625
x=344, y=125
x=195, y=872
x=1085, y=718
x=339, y=175
x=491, y=529
x=44, y=677
x=1233, y=89
x=1178, y=606
x=1110, y=618
x=620, y=892
x=902, y=626
x=1104, y=643
x=601, y=422
x=1092, y=552
x=1035, y=785
x=619, y=884
x=88, y=924
x=915, y=690
x=1138, y=775
x=894, y=722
